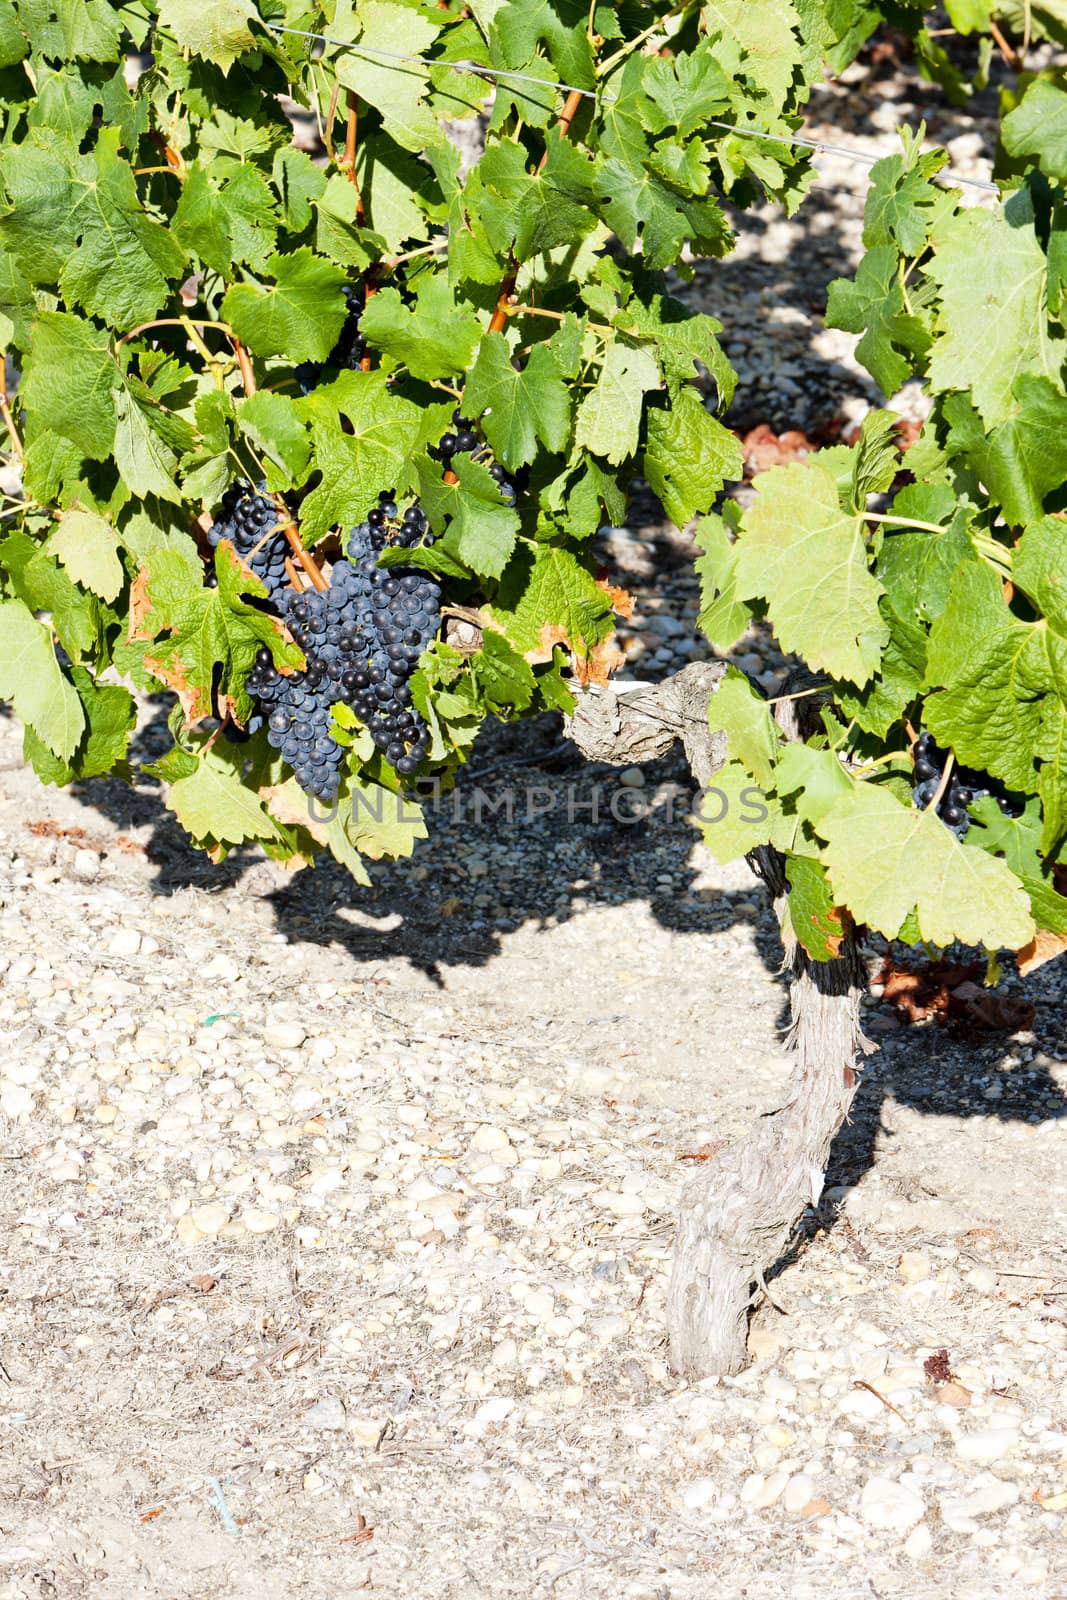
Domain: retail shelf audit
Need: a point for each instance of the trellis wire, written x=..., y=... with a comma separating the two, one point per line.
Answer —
x=819, y=145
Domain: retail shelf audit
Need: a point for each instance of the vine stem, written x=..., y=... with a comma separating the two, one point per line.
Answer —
x=5, y=413
x=348, y=163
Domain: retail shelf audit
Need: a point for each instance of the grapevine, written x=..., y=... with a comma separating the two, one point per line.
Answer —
x=278, y=417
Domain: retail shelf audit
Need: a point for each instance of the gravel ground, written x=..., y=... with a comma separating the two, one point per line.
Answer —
x=337, y=1226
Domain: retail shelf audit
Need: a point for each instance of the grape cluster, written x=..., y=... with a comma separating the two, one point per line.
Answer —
x=963, y=788
x=362, y=638
x=246, y=517
x=465, y=441
x=346, y=355
x=363, y=635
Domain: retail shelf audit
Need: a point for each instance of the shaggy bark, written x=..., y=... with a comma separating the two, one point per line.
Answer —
x=738, y=1215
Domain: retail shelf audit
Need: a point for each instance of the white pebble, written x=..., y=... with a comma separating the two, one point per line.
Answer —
x=988, y=1444
x=124, y=942
x=211, y=1219
x=886, y=1504
x=700, y=1493
x=982, y=1503
x=284, y=1035
x=256, y=1220
x=918, y=1543
x=15, y=1100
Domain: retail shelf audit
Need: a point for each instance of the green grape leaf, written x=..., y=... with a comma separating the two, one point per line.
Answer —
x=813, y=779
x=299, y=315
x=688, y=456
x=504, y=678
x=1039, y=569
x=226, y=213
x=82, y=30
x=1019, y=841
x=110, y=718
x=69, y=382
x=992, y=323
x=916, y=566
x=14, y=46
x=482, y=528
x=734, y=816
x=382, y=823
x=560, y=25
x=739, y=711
x=723, y=618
x=31, y=678
x=809, y=559
x=124, y=260
x=609, y=418
x=818, y=923
x=275, y=426
x=217, y=30
x=769, y=38
x=435, y=339
x=189, y=629
x=146, y=464
x=86, y=544
x=873, y=304
x=298, y=182
x=43, y=585
x=372, y=451
x=522, y=406
x=902, y=204
x=1038, y=127
x=549, y=597
x=875, y=458
x=214, y=805
x=900, y=677
x=1024, y=457
x=885, y=859
x=397, y=88
x=996, y=671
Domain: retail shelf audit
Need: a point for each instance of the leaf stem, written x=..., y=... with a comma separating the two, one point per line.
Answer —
x=174, y=322
x=901, y=522
x=639, y=39
x=938, y=794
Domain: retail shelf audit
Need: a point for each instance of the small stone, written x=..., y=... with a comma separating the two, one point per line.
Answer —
x=211, y=1219
x=327, y=1413
x=285, y=1035
x=489, y=1138
x=16, y=1100
x=988, y=1444
x=984, y=1279
x=887, y=1504
x=982, y=1503
x=86, y=865
x=187, y=1231
x=914, y=1266
x=365, y=1431
x=918, y=1543
x=256, y=1220
x=223, y=969
x=124, y=942
x=632, y=778
x=491, y=1411
x=799, y=1492
x=700, y=1493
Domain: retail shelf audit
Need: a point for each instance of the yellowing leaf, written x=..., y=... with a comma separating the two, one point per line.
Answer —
x=885, y=860
x=809, y=560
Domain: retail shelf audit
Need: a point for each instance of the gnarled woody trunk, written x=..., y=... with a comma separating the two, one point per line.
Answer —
x=737, y=1215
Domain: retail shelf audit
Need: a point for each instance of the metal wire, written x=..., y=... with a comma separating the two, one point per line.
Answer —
x=800, y=140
